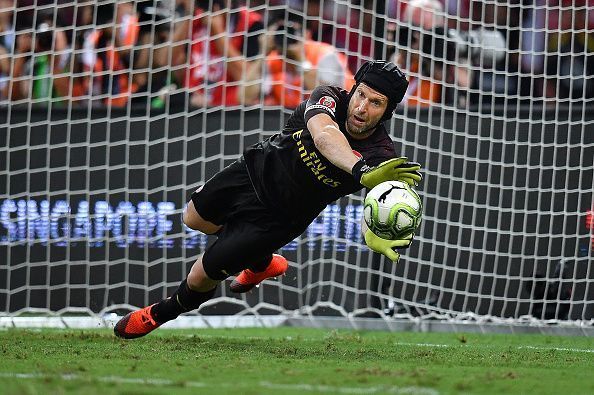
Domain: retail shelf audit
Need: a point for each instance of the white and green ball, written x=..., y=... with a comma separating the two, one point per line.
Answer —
x=392, y=210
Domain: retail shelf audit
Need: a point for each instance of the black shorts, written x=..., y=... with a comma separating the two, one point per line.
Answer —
x=250, y=232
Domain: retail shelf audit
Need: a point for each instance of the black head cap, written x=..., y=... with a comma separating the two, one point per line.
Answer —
x=387, y=79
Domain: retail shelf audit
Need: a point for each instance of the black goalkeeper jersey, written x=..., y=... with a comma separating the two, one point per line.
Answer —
x=291, y=175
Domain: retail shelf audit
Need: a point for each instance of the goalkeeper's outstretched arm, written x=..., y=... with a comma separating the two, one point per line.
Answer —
x=331, y=143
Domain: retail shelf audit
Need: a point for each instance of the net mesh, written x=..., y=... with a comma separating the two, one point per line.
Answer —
x=113, y=113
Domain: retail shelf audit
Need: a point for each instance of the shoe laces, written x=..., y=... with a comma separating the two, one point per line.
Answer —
x=146, y=318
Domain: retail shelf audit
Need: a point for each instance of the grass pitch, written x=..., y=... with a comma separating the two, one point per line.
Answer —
x=292, y=361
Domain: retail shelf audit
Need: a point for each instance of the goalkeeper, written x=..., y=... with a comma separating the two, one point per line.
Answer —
x=334, y=144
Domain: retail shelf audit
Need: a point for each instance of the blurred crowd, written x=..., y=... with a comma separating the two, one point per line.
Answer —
x=210, y=53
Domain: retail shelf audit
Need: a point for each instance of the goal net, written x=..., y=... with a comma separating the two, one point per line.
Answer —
x=112, y=113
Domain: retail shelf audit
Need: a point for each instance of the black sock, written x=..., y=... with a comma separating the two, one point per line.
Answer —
x=183, y=300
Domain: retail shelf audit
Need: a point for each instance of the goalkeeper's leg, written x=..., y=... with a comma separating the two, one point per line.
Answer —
x=245, y=244
x=196, y=289
x=239, y=246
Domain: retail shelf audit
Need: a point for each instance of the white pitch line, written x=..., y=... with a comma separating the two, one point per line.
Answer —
x=198, y=384
x=586, y=350
x=422, y=344
x=410, y=344
x=558, y=349
x=351, y=390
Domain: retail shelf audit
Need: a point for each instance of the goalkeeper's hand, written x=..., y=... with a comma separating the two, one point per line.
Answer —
x=397, y=169
x=386, y=247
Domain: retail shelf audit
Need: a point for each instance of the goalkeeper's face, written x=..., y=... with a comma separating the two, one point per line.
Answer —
x=366, y=108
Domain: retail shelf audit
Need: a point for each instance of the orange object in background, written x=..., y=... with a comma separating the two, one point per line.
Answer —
x=590, y=226
x=287, y=86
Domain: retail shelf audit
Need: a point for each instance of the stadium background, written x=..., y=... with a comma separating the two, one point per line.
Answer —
x=508, y=182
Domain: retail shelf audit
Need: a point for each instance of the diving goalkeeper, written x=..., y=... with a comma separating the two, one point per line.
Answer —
x=334, y=144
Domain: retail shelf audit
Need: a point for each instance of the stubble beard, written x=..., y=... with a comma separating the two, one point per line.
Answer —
x=362, y=131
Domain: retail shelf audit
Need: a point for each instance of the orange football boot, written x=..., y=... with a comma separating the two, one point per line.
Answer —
x=136, y=324
x=247, y=279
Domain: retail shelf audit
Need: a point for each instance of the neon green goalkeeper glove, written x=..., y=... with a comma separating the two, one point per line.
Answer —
x=397, y=169
x=386, y=247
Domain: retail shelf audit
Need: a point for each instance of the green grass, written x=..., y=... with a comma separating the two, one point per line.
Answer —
x=292, y=361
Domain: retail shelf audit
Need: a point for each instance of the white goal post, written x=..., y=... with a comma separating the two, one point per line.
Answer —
x=106, y=129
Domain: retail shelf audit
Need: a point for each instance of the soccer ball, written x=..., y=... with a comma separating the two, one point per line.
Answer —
x=392, y=210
